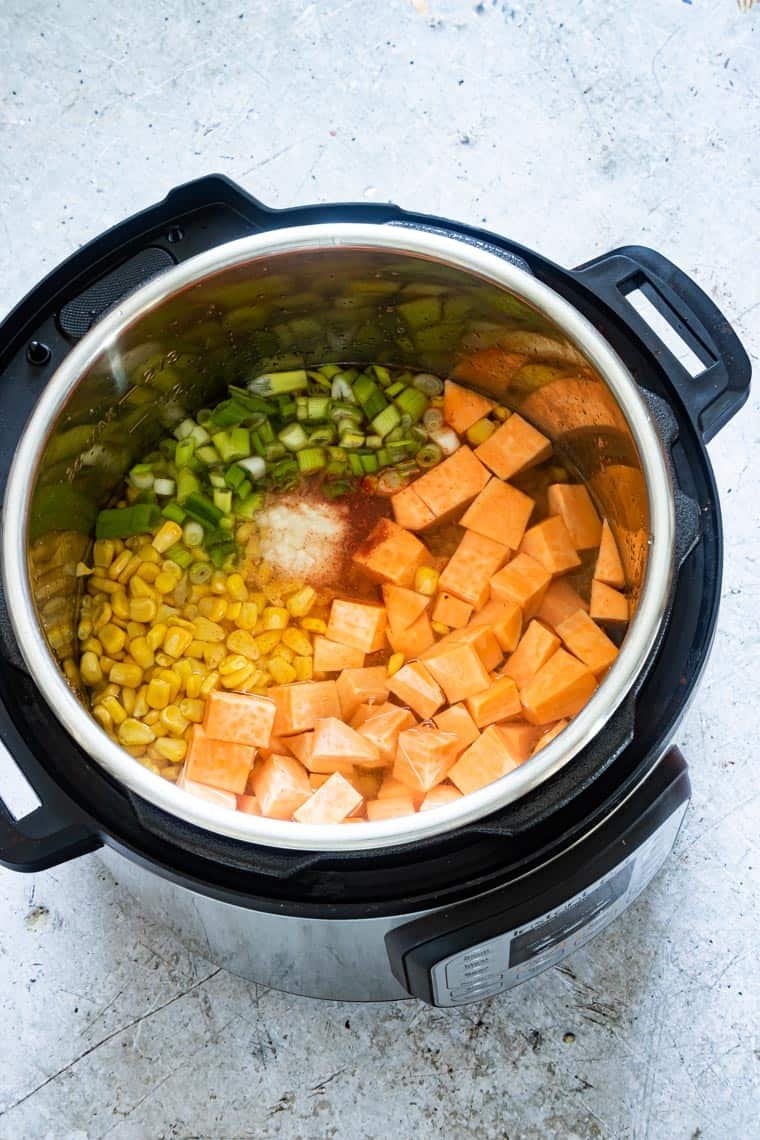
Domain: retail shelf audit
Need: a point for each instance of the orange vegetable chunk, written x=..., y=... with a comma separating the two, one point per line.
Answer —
x=452, y=484
x=505, y=619
x=248, y=804
x=415, y=686
x=480, y=637
x=522, y=581
x=500, y=512
x=548, y=735
x=391, y=554
x=218, y=763
x=514, y=447
x=366, y=711
x=486, y=760
x=301, y=747
x=451, y=611
x=519, y=739
x=205, y=792
x=439, y=796
x=500, y=701
x=331, y=803
x=302, y=704
x=390, y=807
x=588, y=642
x=458, y=669
x=609, y=565
x=414, y=640
x=424, y=757
x=559, y=689
x=573, y=502
x=317, y=779
x=367, y=782
x=462, y=407
x=559, y=602
x=536, y=646
x=336, y=742
x=403, y=606
x=243, y=718
x=281, y=785
x=469, y=571
x=458, y=721
x=549, y=542
x=361, y=686
x=608, y=605
x=410, y=511
x=390, y=788
x=360, y=625
x=278, y=744
x=383, y=731
x=332, y=656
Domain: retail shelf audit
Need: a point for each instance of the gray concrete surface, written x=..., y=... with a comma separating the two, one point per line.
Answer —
x=575, y=127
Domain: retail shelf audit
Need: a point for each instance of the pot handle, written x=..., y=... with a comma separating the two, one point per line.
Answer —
x=713, y=395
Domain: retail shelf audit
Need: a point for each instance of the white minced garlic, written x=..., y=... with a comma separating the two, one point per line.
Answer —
x=301, y=538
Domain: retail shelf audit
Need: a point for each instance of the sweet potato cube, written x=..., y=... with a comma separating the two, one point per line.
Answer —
x=279, y=744
x=439, y=796
x=331, y=803
x=451, y=611
x=383, y=731
x=317, y=779
x=219, y=763
x=462, y=407
x=424, y=757
x=469, y=571
x=206, y=792
x=559, y=689
x=248, y=804
x=390, y=807
x=519, y=739
x=486, y=760
x=367, y=782
x=500, y=512
x=242, y=718
x=536, y=646
x=414, y=640
x=390, y=787
x=548, y=735
x=608, y=605
x=500, y=701
x=410, y=511
x=514, y=447
x=452, y=484
x=482, y=639
x=360, y=625
x=522, y=581
x=368, y=710
x=335, y=741
x=588, y=642
x=391, y=554
x=415, y=686
x=573, y=502
x=458, y=721
x=332, y=656
x=458, y=669
x=281, y=785
x=609, y=564
x=403, y=606
x=361, y=686
x=505, y=619
x=549, y=542
x=301, y=747
x=559, y=602
x=302, y=704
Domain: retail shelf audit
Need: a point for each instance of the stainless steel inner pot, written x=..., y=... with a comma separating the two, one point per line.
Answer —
x=338, y=292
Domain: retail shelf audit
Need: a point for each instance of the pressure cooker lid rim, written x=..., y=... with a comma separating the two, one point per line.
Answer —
x=479, y=262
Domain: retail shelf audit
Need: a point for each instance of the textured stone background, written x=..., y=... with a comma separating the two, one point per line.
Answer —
x=574, y=127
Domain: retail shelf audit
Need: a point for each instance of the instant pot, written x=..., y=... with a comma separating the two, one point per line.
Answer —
x=151, y=321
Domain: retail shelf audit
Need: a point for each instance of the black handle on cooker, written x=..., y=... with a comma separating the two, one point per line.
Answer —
x=716, y=393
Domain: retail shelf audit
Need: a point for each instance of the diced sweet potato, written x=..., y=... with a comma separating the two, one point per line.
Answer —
x=301, y=746
x=218, y=763
x=360, y=625
x=588, y=642
x=277, y=744
x=390, y=807
x=573, y=502
x=505, y=619
x=361, y=686
x=458, y=721
x=248, y=804
x=608, y=605
x=609, y=565
x=281, y=785
x=550, y=544
x=500, y=512
x=458, y=669
x=317, y=779
x=367, y=782
x=414, y=640
x=206, y=792
x=559, y=602
x=391, y=787
x=424, y=757
x=469, y=571
x=462, y=407
x=514, y=447
x=486, y=760
x=451, y=611
x=383, y=731
x=522, y=581
x=519, y=739
x=391, y=554
x=302, y=704
x=439, y=796
x=500, y=701
x=336, y=742
x=548, y=735
x=559, y=689
x=482, y=639
x=403, y=606
x=452, y=484
x=536, y=646
x=410, y=511
x=365, y=711
x=414, y=686
x=242, y=718
x=331, y=803
x=332, y=656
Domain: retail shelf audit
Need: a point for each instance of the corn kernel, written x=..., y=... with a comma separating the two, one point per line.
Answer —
x=130, y=569
x=177, y=640
x=135, y=629
x=240, y=678
x=195, y=649
x=128, y=698
x=193, y=685
x=501, y=413
x=298, y=641
x=240, y=641
x=71, y=670
x=141, y=702
x=156, y=635
x=106, y=690
x=207, y=630
x=125, y=673
x=267, y=641
x=106, y=663
x=233, y=611
x=119, y=564
x=141, y=651
x=120, y=604
x=139, y=588
x=236, y=588
x=171, y=750
x=103, y=717
x=103, y=553
x=173, y=721
x=283, y=653
x=439, y=628
x=232, y=663
x=212, y=607
x=112, y=639
x=84, y=629
x=395, y=661
x=158, y=694
x=282, y=672
x=133, y=733
x=151, y=717
x=102, y=585
x=301, y=602
x=142, y=609
x=102, y=615
x=149, y=571
x=218, y=583
x=115, y=709
x=275, y=617
x=164, y=582
x=192, y=710
x=248, y=616
x=314, y=625
x=480, y=431
x=173, y=680
x=168, y=534
x=304, y=668
x=426, y=581
x=209, y=684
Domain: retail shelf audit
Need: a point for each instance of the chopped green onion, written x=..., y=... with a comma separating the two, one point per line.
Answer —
x=192, y=533
x=293, y=436
x=198, y=507
x=374, y=441
x=447, y=439
x=432, y=419
x=184, y=452
x=427, y=383
x=336, y=489
x=311, y=459
x=164, y=486
x=180, y=555
x=199, y=573
x=223, y=500
x=323, y=434
x=276, y=383
x=429, y=455
x=233, y=476
x=233, y=444
x=386, y=421
x=173, y=512
x=217, y=478
x=382, y=375
x=208, y=455
x=342, y=390
x=199, y=436
x=394, y=389
x=274, y=451
x=355, y=463
x=369, y=464
x=183, y=429
x=247, y=508
x=187, y=483
x=351, y=438
x=412, y=402
x=254, y=465
x=329, y=371
x=266, y=432
x=125, y=522
x=141, y=476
